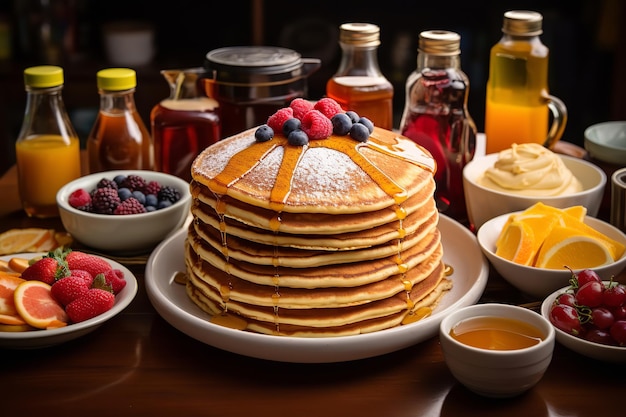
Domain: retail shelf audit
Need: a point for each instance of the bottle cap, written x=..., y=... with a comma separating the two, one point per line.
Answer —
x=116, y=79
x=439, y=42
x=43, y=76
x=359, y=34
x=522, y=23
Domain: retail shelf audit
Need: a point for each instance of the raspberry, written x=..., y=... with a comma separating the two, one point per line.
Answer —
x=129, y=206
x=316, y=125
x=300, y=107
x=276, y=120
x=328, y=107
x=152, y=187
x=133, y=182
x=79, y=198
x=104, y=200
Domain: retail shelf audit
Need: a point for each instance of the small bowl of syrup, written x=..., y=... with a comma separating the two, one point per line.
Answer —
x=497, y=350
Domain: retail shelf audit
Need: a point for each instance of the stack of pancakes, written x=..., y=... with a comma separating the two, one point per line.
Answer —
x=333, y=238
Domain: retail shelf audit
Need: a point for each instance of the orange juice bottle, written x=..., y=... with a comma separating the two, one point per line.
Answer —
x=47, y=148
x=518, y=106
x=359, y=85
x=119, y=139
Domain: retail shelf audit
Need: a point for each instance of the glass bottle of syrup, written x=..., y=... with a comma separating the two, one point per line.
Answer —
x=119, y=139
x=47, y=148
x=359, y=84
x=436, y=117
x=184, y=124
x=518, y=106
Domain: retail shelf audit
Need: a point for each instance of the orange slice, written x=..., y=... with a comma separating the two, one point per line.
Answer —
x=24, y=240
x=12, y=320
x=35, y=305
x=615, y=248
x=8, y=284
x=570, y=247
x=18, y=265
x=517, y=243
x=16, y=328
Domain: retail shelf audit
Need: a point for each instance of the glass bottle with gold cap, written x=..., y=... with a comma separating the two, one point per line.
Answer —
x=47, y=148
x=119, y=139
x=435, y=115
x=518, y=106
x=359, y=84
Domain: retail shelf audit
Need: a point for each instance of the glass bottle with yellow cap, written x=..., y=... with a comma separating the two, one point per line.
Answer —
x=119, y=139
x=359, y=84
x=518, y=106
x=47, y=147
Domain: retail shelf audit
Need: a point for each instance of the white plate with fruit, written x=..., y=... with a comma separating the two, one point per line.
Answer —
x=589, y=316
x=59, y=315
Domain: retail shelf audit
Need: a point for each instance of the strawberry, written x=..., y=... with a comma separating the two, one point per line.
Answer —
x=85, y=275
x=115, y=278
x=46, y=269
x=93, y=303
x=68, y=289
x=90, y=263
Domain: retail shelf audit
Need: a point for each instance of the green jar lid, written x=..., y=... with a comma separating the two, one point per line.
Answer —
x=43, y=76
x=116, y=79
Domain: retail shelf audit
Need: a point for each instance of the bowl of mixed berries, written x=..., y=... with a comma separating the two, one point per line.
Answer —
x=589, y=316
x=124, y=212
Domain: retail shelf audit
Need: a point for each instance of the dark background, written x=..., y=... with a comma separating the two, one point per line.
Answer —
x=586, y=38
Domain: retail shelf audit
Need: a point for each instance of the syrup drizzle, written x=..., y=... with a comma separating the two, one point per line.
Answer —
x=247, y=159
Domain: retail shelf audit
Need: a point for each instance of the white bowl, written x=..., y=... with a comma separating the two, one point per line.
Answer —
x=497, y=373
x=607, y=142
x=539, y=282
x=484, y=203
x=123, y=234
x=44, y=338
x=584, y=347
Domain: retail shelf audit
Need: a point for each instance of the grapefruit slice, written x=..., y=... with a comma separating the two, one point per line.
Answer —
x=8, y=284
x=37, y=307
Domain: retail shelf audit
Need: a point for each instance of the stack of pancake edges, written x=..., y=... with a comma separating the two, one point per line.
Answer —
x=337, y=237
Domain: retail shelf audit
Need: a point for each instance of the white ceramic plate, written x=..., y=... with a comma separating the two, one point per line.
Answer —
x=461, y=251
x=44, y=338
x=590, y=349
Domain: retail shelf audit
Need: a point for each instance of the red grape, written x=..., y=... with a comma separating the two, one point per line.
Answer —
x=618, y=332
x=599, y=336
x=567, y=298
x=590, y=294
x=587, y=275
x=619, y=312
x=566, y=318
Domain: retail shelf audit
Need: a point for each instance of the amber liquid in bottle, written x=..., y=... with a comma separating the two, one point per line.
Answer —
x=371, y=97
x=182, y=129
x=119, y=141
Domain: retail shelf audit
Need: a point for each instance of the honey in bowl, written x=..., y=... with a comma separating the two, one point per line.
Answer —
x=496, y=333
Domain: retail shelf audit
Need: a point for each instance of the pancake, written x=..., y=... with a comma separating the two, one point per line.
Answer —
x=331, y=238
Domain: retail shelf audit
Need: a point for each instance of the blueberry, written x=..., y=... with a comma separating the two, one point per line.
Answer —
x=263, y=133
x=341, y=124
x=140, y=197
x=359, y=132
x=119, y=179
x=151, y=200
x=150, y=208
x=163, y=204
x=290, y=125
x=353, y=116
x=368, y=123
x=124, y=193
x=298, y=138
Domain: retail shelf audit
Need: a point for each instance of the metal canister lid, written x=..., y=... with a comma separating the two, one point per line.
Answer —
x=522, y=23
x=359, y=34
x=439, y=42
x=254, y=60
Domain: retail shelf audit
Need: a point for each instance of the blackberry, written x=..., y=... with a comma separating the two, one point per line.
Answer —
x=106, y=183
x=167, y=193
x=134, y=182
x=129, y=206
x=105, y=200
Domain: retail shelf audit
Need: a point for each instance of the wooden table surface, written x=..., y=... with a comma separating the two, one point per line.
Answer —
x=137, y=364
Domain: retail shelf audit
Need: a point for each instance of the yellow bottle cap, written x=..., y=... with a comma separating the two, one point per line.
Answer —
x=116, y=79
x=43, y=76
